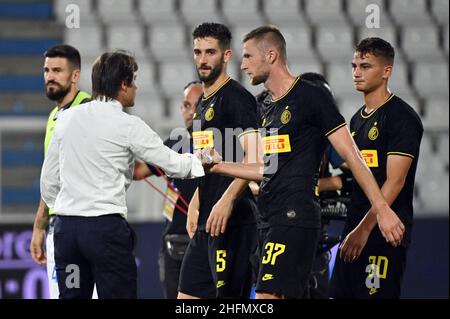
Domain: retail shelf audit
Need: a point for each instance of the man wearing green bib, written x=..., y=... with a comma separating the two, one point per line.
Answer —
x=61, y=75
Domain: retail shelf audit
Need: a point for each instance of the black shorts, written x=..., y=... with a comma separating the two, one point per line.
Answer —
x=287, y=257
x=356, y=281
x=219, y=267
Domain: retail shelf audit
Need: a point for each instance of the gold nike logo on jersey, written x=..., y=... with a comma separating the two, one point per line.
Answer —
x=220, y=283
x=267, y=277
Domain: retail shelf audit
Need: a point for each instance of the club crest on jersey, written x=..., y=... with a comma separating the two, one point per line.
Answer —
x=286, y=116
x=373, y=133
x=209, y=114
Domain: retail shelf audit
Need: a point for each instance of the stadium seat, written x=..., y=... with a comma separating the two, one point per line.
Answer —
x=298, y=42
x=434, y=188
x=174, y=76
x=88, y=39
x=238, y=11
x=349, y=106
x=26, y=104
x=116, y=11
x=158, y=12
x=335, y=43
x=279, y=12
x=193, y=16
x=446, y=38
x=169, y=42
x=410, y=12
x=436, y=114
x=129, y=37
x=399, y=83
x=443, y=145
x=325, y=12
x=340, y=77
x=234, y=68
x=150, y=108
x=238, y=33
x=421, y=43
x=439, y=9
x=431, y=78
x=145, y=79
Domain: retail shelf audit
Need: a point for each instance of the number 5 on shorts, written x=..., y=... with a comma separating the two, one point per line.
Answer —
x=273, y=250
x=220, y=260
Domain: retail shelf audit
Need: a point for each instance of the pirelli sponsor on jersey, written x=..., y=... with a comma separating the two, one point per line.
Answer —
x=371, y=157
x=276, y=144
x=203, y=139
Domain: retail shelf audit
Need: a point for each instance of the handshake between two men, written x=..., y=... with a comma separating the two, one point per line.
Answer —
x=208, y=156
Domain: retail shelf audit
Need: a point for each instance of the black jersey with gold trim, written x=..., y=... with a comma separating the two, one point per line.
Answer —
x=294, y=132
x=394, y=128
x=219, y=121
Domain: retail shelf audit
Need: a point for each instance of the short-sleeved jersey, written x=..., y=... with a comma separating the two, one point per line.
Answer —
x=394, y=128
x=294, y=131
x=219, y=121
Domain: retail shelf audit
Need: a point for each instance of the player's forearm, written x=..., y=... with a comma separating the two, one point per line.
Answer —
x=390, y=190
x=194, y=204
x=42, y=216
x=331, y=183
x=344, y=144
x=365, y=179
x=236, y=187
x=247, y=171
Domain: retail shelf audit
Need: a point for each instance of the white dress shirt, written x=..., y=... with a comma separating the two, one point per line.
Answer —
x=90, y=160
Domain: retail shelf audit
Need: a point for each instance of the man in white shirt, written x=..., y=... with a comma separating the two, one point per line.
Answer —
x=88, y=167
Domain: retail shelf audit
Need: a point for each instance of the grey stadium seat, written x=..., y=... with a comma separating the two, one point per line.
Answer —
x=129, y=37
x=168, y=42
x=410, y=12
x=158, y=12
x=238, y=11
x=431, y=78
x=335, y=43
x=282, y=11
x=421, y=42
x=114, y=11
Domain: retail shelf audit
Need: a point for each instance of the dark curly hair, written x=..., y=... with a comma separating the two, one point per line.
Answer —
x=217, y=31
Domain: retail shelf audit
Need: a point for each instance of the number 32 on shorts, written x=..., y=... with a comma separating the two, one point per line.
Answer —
x=273, y=250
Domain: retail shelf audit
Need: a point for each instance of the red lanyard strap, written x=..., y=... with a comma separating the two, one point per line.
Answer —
x=181, y=209
x=170, y=184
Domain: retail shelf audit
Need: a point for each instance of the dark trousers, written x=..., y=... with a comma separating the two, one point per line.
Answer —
x=96, y=250
x=169, y=273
